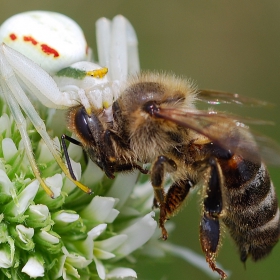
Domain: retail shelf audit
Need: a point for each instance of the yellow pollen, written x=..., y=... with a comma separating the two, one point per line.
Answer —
x=88, y=110
x=112, y=159
x=98, y=73
x=106, y=104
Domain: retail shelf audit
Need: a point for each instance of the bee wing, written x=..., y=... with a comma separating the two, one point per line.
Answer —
x=215, y=97
x=226, y=131
x=268, y=149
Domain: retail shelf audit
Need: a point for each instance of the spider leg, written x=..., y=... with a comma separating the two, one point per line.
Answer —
x=40, y=83
x=11, y=86
x=117, y=46
x=21, y=124
x=103, y=41
x=124, y=52
x=132, y=50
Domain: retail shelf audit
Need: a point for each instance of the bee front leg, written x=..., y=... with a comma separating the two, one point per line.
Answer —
x=210, y=231
x=160, y=167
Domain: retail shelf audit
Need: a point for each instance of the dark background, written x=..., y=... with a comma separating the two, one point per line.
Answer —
x=227, y=45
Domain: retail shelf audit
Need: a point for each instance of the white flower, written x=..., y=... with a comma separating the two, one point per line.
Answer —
x=121, y=273
x=137, y=234
x=23, y=200
x=33, y=268
x=100, y=209
x=6, y=257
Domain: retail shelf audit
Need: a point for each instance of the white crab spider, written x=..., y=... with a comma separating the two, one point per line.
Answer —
x=54, y=42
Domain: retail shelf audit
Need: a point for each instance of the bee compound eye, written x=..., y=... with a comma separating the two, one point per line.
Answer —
x=150, y=107
x=82, y=125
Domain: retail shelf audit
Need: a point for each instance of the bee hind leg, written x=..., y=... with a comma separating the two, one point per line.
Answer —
x=210, y=231
x=209, y=239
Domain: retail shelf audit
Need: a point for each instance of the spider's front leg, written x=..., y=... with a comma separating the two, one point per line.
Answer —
x=168, y=203
x=86, y=83
x=7, y=78
x=12, y=90
x=117, y=47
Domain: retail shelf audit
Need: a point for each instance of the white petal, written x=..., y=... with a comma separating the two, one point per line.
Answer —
x=5, y=124
x=33, y=268
x=77, y=169
x=58, y=268
x=96, y=231
x=5, y=259
x=77, y=261
x=24, y=233
x=122, y=187
x=100, y=268
x=99, y=209
x=25, y=198
x=121, y=273
x=87, y=246
x=69, y=272
x=5, y=183
x=137, y=234
x=192, y=257
x=44, y=153
x=111, y=243
x=55, y=184
x=66, y=217
x=75, y=152
x=103, y=255
x=48, y=237
x=39, y=211
x=112, y=216
x=143, y=195
x=92, y=175
x=9, y=148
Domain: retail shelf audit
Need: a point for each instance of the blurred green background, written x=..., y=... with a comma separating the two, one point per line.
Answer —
x=227, y=45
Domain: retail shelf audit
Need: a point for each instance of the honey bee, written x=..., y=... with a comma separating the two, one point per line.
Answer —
x=155, y=121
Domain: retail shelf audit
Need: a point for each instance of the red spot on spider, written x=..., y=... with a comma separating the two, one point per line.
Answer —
x=48, y=50
x=13, y=36
x=30, y=39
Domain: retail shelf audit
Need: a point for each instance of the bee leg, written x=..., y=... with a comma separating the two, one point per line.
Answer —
x=174, y=199
x=110, y=140
x=130, y=167
x=210, y=231
x=160, y=167
x=110, y=137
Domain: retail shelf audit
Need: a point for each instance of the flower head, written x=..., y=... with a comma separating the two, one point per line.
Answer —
x=72, y=236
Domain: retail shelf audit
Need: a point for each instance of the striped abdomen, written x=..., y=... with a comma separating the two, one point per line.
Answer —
x=251, y=208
